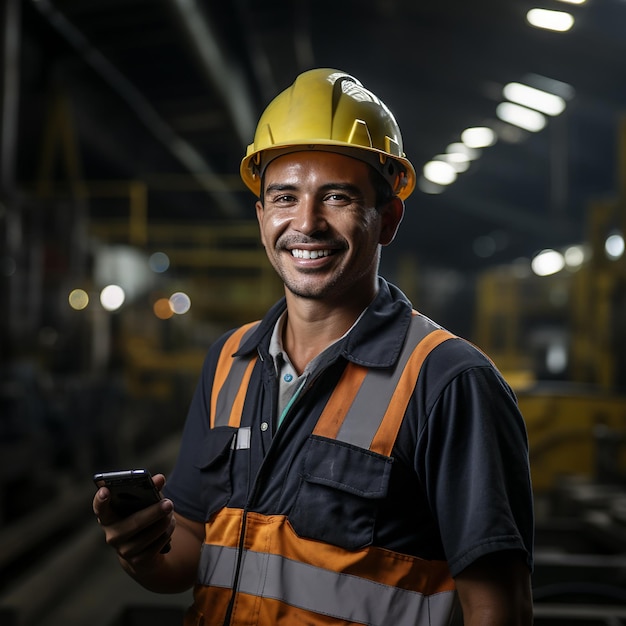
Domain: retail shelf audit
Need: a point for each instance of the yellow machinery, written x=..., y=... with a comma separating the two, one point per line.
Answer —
x=576, y=423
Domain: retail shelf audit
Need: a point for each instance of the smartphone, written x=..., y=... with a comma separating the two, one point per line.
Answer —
x=131, y=491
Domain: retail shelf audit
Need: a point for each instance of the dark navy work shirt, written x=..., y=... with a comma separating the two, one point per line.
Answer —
x=459, y=487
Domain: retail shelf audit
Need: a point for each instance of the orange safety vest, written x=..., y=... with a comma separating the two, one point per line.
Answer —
x=255, y=570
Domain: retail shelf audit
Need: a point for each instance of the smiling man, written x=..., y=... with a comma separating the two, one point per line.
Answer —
x=345, y=460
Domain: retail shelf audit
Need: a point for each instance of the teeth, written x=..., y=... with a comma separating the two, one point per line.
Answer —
x=309, y=254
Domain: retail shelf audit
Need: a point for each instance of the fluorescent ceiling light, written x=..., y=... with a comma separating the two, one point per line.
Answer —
x=458, y=161
x=461, y=148
x=439, y=172
x=520, y=116
x=559, y=21
x=534, y=98
x=478, y=137
x=573, y=1
x=557, y=87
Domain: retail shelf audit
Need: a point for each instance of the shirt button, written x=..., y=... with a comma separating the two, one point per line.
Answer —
x=287, y=378
x=264, y=426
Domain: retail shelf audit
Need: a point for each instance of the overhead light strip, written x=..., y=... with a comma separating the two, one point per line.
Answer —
x=559, y=21
x=534, y=98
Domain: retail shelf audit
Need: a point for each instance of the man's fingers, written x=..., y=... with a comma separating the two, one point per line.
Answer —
x=159, y=481
x=101, y=506
x=139, y=537
x=143, y=542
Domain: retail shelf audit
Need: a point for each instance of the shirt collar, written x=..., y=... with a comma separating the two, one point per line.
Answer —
x=276, y=341
x=374, y=341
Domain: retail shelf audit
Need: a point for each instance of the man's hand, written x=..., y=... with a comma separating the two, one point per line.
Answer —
x=139, y=538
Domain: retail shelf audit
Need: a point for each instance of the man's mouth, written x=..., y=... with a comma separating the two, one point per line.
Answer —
x=298, y=253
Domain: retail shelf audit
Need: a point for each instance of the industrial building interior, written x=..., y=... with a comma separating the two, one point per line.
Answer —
x=129, y=244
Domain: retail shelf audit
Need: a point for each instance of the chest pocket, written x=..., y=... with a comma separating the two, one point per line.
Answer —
x=341, y=488
x=214, y=458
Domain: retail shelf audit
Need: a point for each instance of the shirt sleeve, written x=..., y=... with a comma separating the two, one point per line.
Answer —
x=473, y=456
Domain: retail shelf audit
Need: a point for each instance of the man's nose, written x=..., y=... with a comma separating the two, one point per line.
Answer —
x=310, y=216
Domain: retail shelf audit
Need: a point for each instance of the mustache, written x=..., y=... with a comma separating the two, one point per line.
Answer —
x=289, y=241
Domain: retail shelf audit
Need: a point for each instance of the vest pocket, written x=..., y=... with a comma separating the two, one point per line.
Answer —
x=214, y=459
x=341, y=488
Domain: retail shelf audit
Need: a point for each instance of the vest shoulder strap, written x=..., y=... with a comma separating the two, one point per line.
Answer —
x=231, y=380
x=368, y=405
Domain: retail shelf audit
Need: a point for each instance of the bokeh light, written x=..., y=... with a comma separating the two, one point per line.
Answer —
x=112, y=297
x=159, y=262
x=162, y=309
x=78, y=299
x=180, y=302
x=614, y=246
x=548, y=262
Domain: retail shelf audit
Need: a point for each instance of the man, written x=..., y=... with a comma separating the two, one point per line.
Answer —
x=345, y=460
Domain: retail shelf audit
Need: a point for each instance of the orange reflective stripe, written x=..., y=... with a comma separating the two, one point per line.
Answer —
x=340, y=401
x=224, y=364
x=272, y=534
x=387, y=432
x=283, y=590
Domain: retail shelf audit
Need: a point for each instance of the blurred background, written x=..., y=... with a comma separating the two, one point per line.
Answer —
x=128, y=245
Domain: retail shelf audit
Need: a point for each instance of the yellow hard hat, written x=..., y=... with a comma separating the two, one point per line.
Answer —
x=329, y=110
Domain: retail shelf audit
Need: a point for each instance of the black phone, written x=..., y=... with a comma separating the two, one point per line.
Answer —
x=131, y=490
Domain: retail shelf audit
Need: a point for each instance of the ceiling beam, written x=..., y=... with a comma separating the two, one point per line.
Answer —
x=225, y=76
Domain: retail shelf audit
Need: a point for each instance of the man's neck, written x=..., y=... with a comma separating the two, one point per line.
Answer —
x=311, y=327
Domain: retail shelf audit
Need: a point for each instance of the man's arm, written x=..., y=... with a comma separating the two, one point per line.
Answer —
x=495, y=591
x=139, y=538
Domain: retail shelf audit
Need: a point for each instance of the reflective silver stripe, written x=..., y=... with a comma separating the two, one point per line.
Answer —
x=242, y=440
x=370, y=404
x=217, y=566
x=341, y=596
x=228, y=392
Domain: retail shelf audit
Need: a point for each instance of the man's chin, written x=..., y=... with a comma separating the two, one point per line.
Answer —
x=308, y=294
x=311, y=292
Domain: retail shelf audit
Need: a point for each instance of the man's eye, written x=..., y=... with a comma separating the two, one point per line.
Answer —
x=337, y=197
x=282, y=199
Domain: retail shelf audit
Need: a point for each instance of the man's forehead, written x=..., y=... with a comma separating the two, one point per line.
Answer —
x=317, y=161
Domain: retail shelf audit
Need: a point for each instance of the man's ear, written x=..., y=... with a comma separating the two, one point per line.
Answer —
x=259, y=216
x=391, y=216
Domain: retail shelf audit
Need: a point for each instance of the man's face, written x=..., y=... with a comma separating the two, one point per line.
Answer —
x=320, y=226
